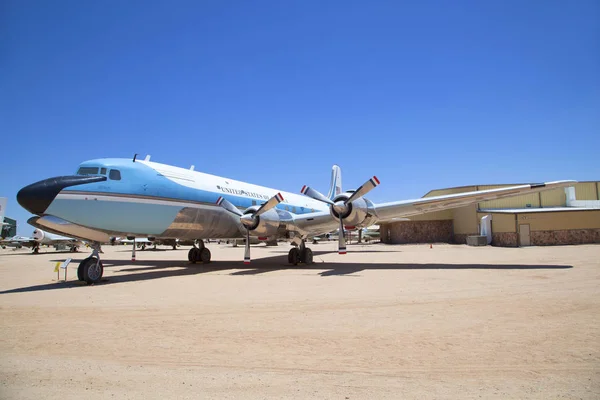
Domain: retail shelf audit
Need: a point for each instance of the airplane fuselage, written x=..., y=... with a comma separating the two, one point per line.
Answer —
x=148, y=199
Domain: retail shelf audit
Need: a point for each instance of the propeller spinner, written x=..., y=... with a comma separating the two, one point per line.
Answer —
x=342, y=206
x=250, y=219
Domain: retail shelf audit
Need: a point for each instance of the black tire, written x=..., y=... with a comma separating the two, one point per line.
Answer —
x=80, y=269
x=92, y=270
x=192, y=255
x=204, y=255
x=307, y=256
x=294, y=256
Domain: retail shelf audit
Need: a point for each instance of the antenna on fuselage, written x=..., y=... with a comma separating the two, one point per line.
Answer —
x=147, y=158
x=134, y=157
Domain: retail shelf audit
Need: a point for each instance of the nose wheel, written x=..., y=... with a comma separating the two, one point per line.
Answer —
x=91, y=269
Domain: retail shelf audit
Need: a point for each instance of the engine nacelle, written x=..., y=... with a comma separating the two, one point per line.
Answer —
x=38, y=235
x=360, y=213
x=265, y=225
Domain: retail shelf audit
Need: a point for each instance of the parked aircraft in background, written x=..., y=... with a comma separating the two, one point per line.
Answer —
x=140, y=198
x=141, y=243
x=15, y=241
x=40, y=238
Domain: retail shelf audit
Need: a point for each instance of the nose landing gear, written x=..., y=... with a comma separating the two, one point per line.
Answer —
x=90, y=269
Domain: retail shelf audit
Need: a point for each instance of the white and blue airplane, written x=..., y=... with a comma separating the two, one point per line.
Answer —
x=140, y=198
x=40, y=238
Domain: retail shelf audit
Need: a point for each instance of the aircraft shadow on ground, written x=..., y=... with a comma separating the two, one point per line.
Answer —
x=157, y=269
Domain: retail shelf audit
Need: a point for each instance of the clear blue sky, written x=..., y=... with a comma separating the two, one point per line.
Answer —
x=423, y=94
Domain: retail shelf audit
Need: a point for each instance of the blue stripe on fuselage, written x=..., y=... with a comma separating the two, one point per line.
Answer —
x=141, y=180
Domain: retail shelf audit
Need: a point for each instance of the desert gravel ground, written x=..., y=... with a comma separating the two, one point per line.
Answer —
x=382, y=322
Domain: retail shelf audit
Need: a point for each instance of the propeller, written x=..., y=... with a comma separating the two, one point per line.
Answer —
x=341, y=207
x=249, y=220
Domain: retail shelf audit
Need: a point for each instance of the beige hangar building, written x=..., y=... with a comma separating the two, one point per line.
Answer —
x=554, y=217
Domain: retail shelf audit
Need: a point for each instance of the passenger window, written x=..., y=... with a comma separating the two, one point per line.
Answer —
x=253, y=202
x=87, y=171
x=103, y=171
x=115, y=175
x=294, y=210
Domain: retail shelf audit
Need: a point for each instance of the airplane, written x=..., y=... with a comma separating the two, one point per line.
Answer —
x=141, y=198
x=15, y=241
x=39, y=238
x=143, y=242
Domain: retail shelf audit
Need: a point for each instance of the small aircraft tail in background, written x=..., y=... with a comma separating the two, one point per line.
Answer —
x=335, y=187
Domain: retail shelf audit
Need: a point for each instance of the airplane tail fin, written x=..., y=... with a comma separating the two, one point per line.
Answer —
x=335, y=187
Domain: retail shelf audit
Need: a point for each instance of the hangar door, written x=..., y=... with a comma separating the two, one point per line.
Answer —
x=524, y=238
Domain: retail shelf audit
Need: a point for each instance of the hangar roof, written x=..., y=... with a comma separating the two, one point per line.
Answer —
x=534, y=210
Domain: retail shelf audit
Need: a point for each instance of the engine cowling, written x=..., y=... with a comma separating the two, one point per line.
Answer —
x=359, y=213
x=38, y=235
x=264, y=225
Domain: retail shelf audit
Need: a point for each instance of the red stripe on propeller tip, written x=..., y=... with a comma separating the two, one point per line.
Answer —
x=279, y=197
x=376, y=180
x=303, y=190
x=219, y=200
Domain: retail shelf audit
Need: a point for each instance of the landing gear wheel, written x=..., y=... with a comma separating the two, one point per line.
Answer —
x=193, y=255
x=307, y=256
x=294, y=256
x=90, y=270
x=80, y=269
x=204, y=255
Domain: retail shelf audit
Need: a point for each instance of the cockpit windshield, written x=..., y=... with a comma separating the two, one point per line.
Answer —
x=113, y=174
x=87, y=171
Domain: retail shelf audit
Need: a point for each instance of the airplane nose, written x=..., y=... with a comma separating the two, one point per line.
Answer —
x=36, y=197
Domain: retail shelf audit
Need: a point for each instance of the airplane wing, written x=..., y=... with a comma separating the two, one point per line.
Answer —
x=406, y=208
x=321, y=222
x=22, y=241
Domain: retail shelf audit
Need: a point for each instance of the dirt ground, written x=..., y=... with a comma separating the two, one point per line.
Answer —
x=382, y=322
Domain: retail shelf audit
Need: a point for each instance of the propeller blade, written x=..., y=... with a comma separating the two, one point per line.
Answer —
x=228, y=206
x=341, y=239
x=312, y=193
x=247, y=249
x=364, y=189
x=272, y=202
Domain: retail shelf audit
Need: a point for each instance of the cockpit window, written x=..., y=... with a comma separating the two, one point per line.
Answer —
x=115, y=175
x=103, y=171
x=88, y=171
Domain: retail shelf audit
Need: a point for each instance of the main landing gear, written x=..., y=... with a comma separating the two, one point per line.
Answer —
x=199, y=254
x=300, y=254
x=90, y=269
